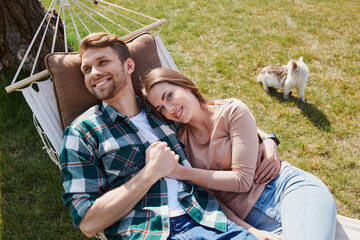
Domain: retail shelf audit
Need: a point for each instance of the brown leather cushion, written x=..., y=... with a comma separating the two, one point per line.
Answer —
x=71, y=94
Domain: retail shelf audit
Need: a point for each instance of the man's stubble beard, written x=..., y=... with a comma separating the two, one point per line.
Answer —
x=117, y=87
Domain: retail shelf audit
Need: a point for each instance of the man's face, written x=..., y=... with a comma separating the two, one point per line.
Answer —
x=104, y=73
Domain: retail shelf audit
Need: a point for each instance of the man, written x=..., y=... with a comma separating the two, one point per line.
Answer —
x=116, y=156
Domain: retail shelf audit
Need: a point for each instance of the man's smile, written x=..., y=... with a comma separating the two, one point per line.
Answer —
x=102, y=82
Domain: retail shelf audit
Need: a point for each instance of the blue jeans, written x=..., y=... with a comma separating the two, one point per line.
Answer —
x=296, y=205
x=185, y=228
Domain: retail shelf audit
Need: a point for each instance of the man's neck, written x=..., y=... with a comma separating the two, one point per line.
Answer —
x=125, y=104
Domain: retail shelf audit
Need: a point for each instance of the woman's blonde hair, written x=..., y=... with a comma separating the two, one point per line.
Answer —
x=164, y=75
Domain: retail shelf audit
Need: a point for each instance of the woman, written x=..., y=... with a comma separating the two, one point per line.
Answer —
x=221, y=144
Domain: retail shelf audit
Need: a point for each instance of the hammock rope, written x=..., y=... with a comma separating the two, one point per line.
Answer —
x=89, y=15
x=40, y=46
x=55, y=33
x=74, y=24
x=81, y=21
x=106, y=18
x=54, y=156
x=116, y=13
x=128, y=10
x=78, y=16
x=29, y=48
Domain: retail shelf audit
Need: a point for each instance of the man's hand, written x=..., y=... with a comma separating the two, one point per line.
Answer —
x=118, y=202
x=268, y=163
x=160, y=159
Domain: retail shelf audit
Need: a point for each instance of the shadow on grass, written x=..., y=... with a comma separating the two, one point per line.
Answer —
x=315, y=115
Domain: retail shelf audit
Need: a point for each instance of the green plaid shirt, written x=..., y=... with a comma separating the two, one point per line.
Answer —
x=103, y=149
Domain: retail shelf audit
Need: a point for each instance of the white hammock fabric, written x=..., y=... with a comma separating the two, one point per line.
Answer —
x=43, y=103
x=165, y=57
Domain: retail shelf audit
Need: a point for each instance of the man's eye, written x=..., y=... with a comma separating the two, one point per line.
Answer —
x=87, y=70
x=102, y=62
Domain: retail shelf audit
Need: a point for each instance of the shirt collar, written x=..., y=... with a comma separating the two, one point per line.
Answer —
x=110, y=114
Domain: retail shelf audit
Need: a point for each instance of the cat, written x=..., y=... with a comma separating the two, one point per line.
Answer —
x=293, y=75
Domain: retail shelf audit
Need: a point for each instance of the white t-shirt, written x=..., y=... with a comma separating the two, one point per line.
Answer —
x=144, y=127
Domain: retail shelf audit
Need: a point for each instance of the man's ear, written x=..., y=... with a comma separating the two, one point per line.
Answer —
x=129, y=66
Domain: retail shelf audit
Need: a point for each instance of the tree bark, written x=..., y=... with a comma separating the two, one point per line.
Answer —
x=19, y=21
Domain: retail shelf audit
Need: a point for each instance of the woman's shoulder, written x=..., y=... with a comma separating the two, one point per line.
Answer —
x=230, y=105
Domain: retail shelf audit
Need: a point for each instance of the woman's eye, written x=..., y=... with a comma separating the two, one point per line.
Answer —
x=169, y=95
x=102, y=62
x=160, y=109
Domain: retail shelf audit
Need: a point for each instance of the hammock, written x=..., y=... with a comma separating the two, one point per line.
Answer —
x=106, y=17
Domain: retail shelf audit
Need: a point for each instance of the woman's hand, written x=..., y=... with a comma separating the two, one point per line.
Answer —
x=176, y=173
x=268, y=162
x=264, y=235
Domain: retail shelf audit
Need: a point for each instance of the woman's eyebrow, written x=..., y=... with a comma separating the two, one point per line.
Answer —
x=163, y=96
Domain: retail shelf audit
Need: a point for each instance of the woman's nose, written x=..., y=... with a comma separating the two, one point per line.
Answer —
x=169, y=108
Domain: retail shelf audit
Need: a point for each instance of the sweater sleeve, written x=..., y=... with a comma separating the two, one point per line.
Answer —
x=242, y=133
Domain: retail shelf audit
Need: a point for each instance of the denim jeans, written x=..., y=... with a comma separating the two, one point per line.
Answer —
x=185, y=228
x=295, y=205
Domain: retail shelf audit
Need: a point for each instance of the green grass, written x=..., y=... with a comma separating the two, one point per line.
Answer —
x=221, y=45
x=31, y=207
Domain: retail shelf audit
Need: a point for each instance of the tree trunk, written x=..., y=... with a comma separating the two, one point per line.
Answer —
x=19, y=21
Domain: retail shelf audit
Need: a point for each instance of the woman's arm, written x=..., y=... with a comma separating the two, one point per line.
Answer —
x=242, y=133
x=268, y=161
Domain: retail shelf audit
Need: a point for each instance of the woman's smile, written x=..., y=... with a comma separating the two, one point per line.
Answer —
x=179, y=113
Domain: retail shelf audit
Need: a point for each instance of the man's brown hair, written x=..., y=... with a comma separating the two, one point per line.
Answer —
x=103, y=39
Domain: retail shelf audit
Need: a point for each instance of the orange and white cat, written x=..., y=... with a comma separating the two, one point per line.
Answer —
x=293, y=75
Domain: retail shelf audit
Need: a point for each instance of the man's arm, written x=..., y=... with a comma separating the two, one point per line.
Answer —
x=268, y=162
x=117, y=203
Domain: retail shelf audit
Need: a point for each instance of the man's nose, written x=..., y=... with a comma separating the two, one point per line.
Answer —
x=95, y=71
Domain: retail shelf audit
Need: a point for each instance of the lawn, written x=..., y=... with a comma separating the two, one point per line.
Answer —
x=221, y=45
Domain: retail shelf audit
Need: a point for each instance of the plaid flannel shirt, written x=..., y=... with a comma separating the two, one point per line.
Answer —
x=103, y=149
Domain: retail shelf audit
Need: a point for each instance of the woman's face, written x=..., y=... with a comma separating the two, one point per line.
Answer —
x=173, y=102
